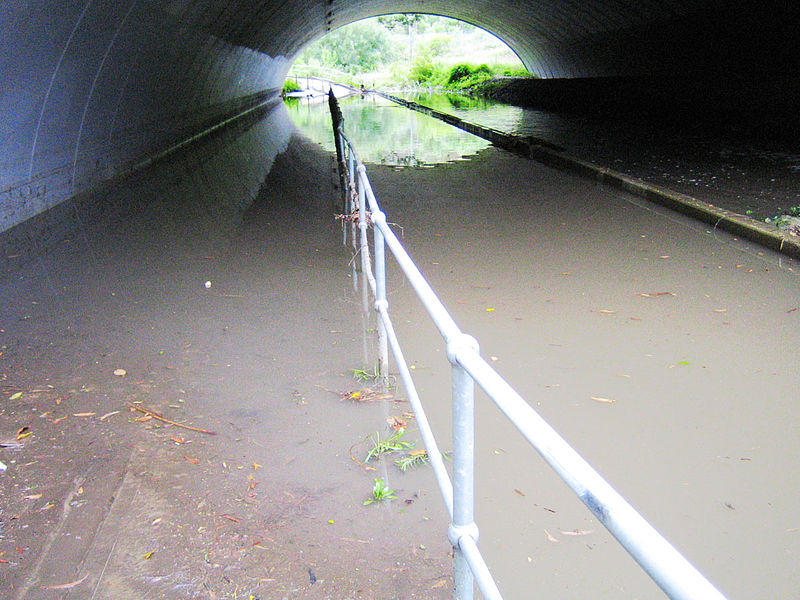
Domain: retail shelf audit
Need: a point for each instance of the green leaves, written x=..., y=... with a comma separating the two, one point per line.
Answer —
x=393, y=443
x=380, y=492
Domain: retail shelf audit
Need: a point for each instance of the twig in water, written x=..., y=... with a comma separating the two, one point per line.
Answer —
x=154, y=415
x=353, y=456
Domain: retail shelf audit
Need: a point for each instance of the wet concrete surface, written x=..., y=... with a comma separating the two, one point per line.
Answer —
x=107, y=503
x=738, y=168
x=691, y=332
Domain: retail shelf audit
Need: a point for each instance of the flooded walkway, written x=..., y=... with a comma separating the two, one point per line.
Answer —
x=574, y=291
x=581, y=295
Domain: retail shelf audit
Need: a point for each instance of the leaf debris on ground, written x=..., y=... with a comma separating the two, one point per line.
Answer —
x=605, y=400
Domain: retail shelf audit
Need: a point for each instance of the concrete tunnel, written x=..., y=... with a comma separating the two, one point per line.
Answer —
x=91, y=89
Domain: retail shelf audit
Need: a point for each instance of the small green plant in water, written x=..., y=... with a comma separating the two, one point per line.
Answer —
x=393, y=443
x=413, y=459
x=365, y=375
x=380, y=492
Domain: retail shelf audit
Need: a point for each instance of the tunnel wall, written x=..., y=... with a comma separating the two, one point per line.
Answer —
x=90, y=87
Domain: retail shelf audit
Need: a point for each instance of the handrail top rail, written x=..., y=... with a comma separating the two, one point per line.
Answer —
x=663, y=563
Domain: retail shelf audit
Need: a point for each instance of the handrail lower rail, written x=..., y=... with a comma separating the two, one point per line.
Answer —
x=673, y=573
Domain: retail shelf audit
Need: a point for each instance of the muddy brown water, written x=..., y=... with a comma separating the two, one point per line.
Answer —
x=578, y=292
x=574, y=291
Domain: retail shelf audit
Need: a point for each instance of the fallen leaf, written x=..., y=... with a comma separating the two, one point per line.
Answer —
x=256, y=466
x=194, y=461
x=178, y=440
x=396, y=423
x=550, y=538
x=33, y=497
x=16, y=396
x=604, y=311
x=576, y=532
x=655, y=294
x=120, y=372
x=86, y=414
x=148, y=555
x=606, y=400
x=111, y=414
x=520, y=493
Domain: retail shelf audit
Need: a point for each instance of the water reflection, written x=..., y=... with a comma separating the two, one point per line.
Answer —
x=385, y=133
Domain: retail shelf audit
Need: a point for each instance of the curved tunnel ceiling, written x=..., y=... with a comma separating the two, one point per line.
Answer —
x=554, y=38
x=90, y=87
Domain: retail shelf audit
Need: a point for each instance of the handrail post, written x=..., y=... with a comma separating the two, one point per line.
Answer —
x=463, y=523
x=337, y=119
x=381, y=303
x=348, y=208
x=363, y=247
x=353, y=195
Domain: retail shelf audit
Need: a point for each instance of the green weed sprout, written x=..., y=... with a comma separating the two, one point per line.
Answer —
x=393, y=443
x=413, y=459
x=380, y=492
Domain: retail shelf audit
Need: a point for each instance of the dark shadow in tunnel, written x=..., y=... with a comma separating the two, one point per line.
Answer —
x=204, y=186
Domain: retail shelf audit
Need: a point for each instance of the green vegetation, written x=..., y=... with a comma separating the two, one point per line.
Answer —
x=413, y=459
x=462, y=75
x=290, y=86
x=358, y=48
x=380, y=492
x=393, y=443
x=366, y=375
x=410, y=50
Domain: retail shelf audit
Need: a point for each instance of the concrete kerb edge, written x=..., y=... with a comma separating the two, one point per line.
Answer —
x=553, y=156
x=704, y=212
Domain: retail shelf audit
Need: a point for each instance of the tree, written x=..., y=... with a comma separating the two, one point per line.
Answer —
x=359, y=48
x=407, y=20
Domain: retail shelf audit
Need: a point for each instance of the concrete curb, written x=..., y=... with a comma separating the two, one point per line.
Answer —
x=557, y=157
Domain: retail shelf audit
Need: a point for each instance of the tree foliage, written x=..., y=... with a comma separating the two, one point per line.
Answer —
x=404, y=20
x=372, y=50
x=358, y=48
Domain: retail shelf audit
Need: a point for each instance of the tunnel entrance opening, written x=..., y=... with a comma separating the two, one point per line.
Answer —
x=408, y=50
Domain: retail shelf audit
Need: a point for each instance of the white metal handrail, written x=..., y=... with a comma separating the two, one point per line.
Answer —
x=678, y=578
